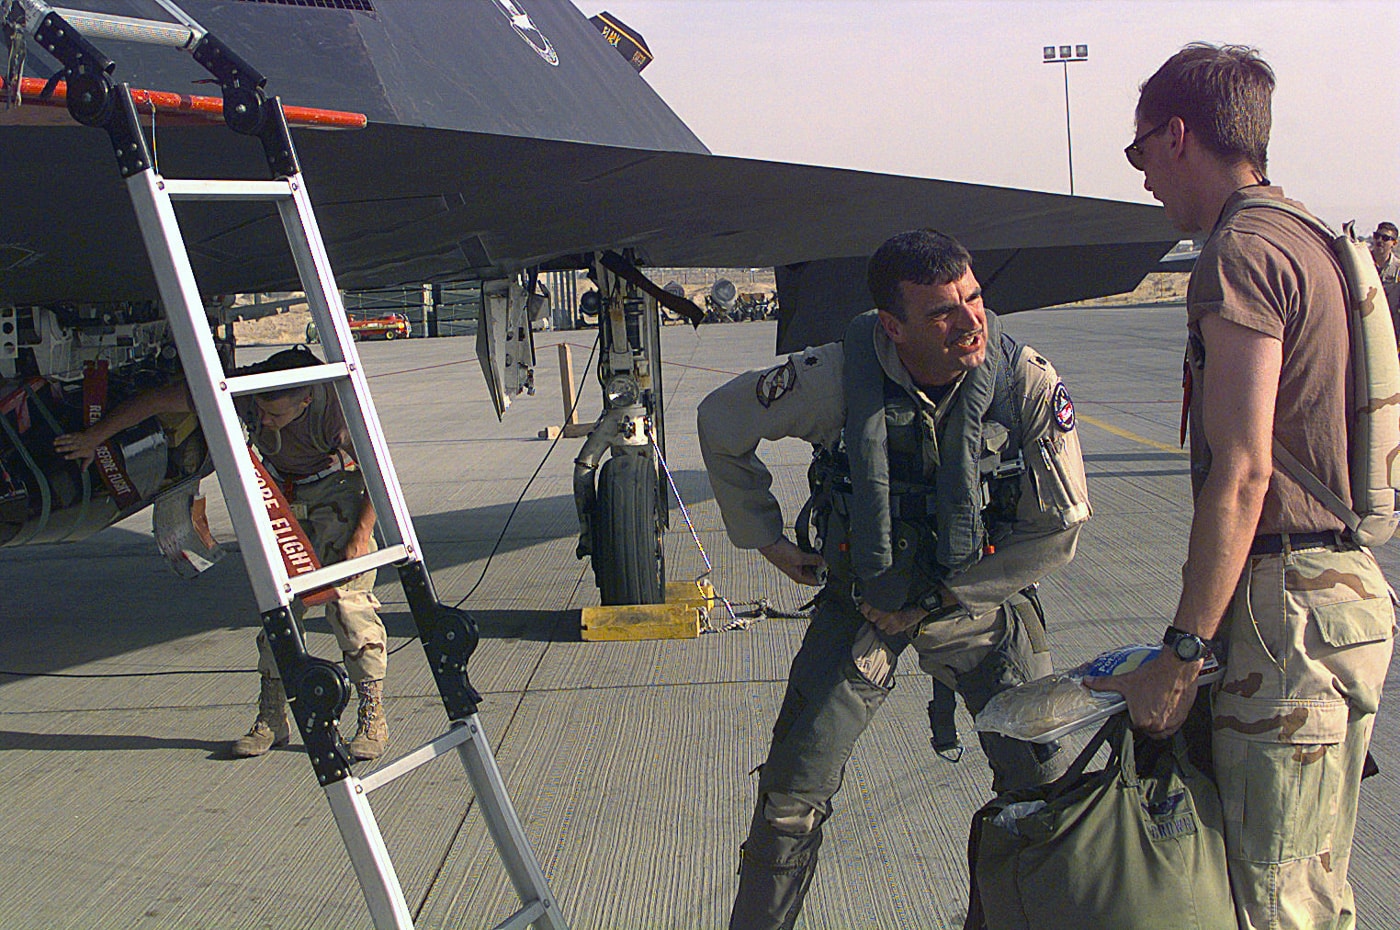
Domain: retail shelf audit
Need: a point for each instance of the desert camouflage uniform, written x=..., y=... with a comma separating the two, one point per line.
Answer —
x=1390, y=281
x=1309, y=640
x=1309, y=631
x=328, y=510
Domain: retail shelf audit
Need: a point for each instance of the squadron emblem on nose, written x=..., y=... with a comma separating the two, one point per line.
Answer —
x=1063, y=407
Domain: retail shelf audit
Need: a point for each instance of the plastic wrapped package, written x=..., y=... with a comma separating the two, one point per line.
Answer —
x=1058, y=704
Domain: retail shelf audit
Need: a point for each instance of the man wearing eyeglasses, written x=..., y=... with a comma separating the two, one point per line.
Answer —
x=1388, y=264
x=1272, y=581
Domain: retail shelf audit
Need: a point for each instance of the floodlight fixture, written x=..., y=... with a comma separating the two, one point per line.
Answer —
x=1063, y=55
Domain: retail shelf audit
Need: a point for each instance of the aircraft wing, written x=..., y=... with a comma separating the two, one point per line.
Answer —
x=501, y=136
x=400, y=204
x=498, y=142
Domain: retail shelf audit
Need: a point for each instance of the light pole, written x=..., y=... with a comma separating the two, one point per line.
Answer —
x=1062, y=55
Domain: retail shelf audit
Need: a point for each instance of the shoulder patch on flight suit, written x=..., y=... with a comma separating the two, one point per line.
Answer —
x=775, y=382
x=1062, y=406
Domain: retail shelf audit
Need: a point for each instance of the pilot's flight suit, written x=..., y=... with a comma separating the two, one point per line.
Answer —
x=991, y=641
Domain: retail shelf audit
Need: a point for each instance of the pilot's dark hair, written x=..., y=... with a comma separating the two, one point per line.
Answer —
x=1387, y=227
x=919, y=256
x=296, y=357
x=1222, y=93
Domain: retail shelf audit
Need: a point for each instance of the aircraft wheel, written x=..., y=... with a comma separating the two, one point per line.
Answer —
x=628, y=561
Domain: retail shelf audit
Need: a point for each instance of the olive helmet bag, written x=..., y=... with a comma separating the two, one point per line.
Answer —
x=1136, y=845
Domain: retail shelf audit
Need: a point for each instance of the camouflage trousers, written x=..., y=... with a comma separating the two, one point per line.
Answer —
x=328, y=511
x=1309, y=642
x=839, y=679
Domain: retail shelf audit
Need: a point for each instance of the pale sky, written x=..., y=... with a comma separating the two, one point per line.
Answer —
x=957, y=89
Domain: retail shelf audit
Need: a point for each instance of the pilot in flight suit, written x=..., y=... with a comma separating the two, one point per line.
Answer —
x=949, y=481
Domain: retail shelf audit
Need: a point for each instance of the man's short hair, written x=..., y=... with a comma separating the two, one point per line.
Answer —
x=919, y=256
x=1222, y=93
x=297, y=357
x=1387, y=227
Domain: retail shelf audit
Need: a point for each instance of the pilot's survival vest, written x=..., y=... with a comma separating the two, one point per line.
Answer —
x=902, y=504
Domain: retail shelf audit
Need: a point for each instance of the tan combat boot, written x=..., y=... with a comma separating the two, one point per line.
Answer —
x=271, y=728
x=372, y=733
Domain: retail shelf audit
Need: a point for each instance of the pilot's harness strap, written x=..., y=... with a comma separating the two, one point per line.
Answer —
x=942, y=724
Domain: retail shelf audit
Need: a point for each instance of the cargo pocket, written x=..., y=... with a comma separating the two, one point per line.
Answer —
x=873, y=660
x=1358, y=637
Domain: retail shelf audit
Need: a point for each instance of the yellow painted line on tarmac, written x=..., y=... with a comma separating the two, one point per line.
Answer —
x=1106, y=427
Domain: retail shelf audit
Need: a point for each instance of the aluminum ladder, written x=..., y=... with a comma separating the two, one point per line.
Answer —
x=318, y=690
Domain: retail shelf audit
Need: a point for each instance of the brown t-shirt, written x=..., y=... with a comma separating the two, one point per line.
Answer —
x=309, y=443
x=1266, y=270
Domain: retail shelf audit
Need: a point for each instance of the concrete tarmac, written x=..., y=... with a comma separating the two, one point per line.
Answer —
x=630, y=764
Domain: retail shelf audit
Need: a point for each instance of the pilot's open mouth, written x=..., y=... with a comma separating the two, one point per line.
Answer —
x=969, y=340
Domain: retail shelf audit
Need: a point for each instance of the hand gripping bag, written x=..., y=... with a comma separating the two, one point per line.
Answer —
x=1137, y=845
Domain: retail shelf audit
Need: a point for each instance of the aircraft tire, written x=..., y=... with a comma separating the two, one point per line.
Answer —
x=628, y=560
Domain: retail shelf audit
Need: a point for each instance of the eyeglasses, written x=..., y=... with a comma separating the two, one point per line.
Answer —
x=1384, y=237
x=1136, y=156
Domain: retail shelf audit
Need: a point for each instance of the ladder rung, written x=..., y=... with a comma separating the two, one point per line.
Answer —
x=333, y=574
x=125, y=29
x=523, y=917
x=421, y=756
x=285, y=378
x=210, y=190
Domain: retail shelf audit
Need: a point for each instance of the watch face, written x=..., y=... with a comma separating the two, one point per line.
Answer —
x=1188, y=648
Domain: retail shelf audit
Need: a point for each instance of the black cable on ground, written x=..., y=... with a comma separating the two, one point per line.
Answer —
x=578, y=395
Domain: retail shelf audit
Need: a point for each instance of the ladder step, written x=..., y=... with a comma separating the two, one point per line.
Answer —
x=338, y=572
x=210, y=190
x=424, y=754
x=286, y=378
x=126, y=29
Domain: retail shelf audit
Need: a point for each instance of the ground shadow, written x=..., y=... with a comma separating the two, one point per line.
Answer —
x=541, y=626
x=74, y=603
x=91, y=742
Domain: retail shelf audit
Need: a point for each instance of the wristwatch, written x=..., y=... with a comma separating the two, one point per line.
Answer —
x=1188, y=647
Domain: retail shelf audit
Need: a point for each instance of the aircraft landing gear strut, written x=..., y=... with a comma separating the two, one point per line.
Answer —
x=623, y=508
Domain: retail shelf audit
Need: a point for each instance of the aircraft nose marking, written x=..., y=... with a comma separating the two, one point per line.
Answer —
x=529, y=33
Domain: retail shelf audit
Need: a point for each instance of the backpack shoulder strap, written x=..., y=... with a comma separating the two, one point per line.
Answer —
x=1322, y=228
x=1325, y=495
